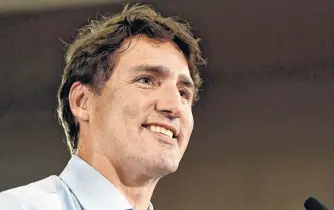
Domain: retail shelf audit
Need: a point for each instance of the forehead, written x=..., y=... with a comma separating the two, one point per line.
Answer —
x=141, y=50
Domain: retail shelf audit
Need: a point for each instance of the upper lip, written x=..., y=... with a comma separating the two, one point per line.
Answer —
x=173, y=128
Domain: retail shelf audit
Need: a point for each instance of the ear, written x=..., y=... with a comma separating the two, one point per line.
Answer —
x=79, y=101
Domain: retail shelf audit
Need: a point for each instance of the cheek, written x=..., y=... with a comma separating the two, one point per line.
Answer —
x=101, y=114
x=130, y=111
x=106, y=108
x=127, y=109
x=137, y=104
x=189, y=122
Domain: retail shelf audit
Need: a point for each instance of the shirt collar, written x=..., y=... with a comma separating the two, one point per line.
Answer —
x=91, y=188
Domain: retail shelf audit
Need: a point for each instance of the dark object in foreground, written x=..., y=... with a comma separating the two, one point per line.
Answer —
x=313, y=204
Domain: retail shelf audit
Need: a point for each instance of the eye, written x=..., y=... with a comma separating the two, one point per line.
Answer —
x=145, y=80
x=185, y=94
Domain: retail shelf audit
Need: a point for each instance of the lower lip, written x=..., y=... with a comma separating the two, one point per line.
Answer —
x=163, y=138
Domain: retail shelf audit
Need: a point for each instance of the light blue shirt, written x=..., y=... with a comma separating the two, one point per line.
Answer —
x=79, y=187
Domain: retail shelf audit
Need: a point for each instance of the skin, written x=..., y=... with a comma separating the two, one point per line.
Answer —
x=150, y=84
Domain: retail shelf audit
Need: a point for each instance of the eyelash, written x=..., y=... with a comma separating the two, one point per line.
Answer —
x=187, y=93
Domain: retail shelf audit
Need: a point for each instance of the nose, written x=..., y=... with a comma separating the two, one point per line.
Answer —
x=169, y=102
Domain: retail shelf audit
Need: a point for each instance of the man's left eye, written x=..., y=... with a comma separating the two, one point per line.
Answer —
x=185, y=94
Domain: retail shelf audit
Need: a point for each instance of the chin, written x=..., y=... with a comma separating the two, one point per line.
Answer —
x=166, y=167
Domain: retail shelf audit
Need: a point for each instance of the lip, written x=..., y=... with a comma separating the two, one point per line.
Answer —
x=176, y=131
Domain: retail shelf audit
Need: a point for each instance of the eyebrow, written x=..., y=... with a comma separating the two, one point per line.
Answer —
x=165, y=72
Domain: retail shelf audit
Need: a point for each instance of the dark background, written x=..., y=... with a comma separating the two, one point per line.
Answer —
x=264, y=129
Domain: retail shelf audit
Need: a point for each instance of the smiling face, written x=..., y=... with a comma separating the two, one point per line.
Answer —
x=143, y=117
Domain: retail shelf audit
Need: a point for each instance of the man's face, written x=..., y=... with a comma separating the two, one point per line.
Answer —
x=143, y=117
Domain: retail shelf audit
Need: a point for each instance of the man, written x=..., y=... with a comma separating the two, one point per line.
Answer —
x=125, y=103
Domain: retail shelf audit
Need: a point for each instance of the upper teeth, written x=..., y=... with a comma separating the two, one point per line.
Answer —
x=162, y=130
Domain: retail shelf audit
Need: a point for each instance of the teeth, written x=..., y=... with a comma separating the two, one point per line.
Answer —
x=162, y=130
x=153, y=128
x=169, y=133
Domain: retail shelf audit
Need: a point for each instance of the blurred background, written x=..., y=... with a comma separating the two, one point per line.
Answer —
x=264, y=131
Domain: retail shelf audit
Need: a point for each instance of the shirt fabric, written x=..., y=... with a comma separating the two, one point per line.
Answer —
x=79, y=187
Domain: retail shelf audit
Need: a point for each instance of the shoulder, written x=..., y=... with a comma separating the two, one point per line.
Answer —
x=35, y=196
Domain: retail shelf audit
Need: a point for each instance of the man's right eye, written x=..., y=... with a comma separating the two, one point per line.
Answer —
x=147, y=80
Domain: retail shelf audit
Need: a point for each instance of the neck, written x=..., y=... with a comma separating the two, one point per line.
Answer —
x=137, y=188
